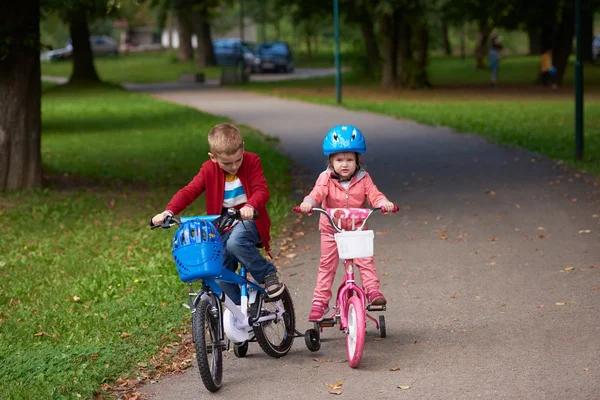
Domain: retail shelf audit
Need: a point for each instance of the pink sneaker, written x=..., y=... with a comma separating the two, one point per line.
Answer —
x=317, y=311
x=376, y=298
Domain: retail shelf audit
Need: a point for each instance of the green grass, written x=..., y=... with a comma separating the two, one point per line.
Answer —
x=87, y=291
x=134, y=68
x=542, y=123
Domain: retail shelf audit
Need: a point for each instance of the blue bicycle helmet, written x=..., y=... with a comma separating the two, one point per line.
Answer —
x=197, y=250
x=344, y=138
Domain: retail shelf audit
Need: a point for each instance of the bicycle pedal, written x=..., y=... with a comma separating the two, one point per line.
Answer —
x=326, y=323
x=371, y=307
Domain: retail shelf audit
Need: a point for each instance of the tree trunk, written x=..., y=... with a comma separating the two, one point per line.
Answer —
x=587, y=33
x=404, y=53
x=420, y=79
x=535, y=41
x=308, y=44
x=20, y=92
x=563, y=42
x=388, y=51
x=169, y=30
x=83, y=59
x=463, y=34
x=482, y=44
x=205, y=51
x=446, y=39
x=184, y=31
x=371, y=47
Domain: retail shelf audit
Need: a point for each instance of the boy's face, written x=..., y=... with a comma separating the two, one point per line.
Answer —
x=344, y=164
x=229, y=163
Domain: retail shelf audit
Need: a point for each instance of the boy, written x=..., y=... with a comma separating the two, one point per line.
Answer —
x=233, y=178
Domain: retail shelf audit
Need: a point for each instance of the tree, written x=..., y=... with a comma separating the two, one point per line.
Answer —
x=20, y=92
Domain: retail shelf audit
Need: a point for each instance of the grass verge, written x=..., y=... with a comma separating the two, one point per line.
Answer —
x=134, y=68
x=88, y=292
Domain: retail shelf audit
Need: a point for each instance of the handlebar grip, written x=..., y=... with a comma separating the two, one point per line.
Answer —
x=394, y=210
x=296, y=209
x=152, y=226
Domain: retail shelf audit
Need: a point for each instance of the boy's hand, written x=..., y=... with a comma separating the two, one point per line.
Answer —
x=160, y=218
x=388, y=206
x=306, y=207
x=247, y=212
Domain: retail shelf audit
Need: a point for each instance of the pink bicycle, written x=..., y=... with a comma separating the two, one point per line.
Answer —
x=351, y=307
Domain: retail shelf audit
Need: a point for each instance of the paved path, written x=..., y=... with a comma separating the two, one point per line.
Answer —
x=491, y=269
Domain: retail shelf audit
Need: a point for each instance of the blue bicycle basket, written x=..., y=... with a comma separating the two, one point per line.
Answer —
x=197, y=250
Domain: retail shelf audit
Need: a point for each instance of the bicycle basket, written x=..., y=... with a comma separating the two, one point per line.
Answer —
x=197, y=250
x=354, y=244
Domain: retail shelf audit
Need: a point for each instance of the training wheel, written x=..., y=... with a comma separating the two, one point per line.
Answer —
x=240, y=350
x=381, y=326
x=312, y=340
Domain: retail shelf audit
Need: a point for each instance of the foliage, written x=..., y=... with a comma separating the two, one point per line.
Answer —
x=88, y=293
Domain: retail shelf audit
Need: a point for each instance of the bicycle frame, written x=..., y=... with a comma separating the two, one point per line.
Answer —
x=240, y=312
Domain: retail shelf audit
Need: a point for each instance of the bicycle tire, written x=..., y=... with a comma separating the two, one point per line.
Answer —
x=280, y=346
x=206, y=341
x=356, y=331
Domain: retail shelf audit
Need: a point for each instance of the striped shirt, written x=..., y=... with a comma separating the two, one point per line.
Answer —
x=234, y=192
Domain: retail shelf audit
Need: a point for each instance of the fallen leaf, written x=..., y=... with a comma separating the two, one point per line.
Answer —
x=395, y=369
x=560, y=303
x=41, y=334
x=308, y=247
x=494, y=239
x=582, y=231
x=586, y=369
x=596, y=288
x=569, y=268
x=124, y=335
x=336, y=385
x=518, y=205
x=291, y=255
x=76, y=298
x=404, y=387
x=298, y=234
x=335, y=391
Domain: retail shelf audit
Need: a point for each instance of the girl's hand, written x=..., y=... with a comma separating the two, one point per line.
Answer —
x=388, y=206
x=306, y=207
x=160, y=218
x=247, y=212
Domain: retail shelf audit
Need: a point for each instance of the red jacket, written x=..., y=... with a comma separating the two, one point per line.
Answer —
x=211, y=179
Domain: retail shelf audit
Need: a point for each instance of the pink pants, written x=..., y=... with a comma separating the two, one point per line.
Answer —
x=328, y=265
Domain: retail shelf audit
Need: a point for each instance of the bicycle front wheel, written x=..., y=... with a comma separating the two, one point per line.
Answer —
x=276, y=336
x=355, y=336
x=209, y=351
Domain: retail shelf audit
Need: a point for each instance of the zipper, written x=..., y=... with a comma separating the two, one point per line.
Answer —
x=347, y=201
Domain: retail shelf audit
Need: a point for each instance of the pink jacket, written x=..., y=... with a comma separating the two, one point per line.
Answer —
x=330, y=193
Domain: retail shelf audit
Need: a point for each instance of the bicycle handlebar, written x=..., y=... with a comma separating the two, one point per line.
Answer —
x=172, y=220
x=332, y=222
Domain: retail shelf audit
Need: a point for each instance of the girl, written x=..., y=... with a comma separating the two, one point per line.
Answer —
x=344, y=184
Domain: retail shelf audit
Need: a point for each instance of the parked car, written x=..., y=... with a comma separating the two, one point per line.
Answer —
x=233, y=53
x=596, y=48
x=101, y=45
x=273, y=56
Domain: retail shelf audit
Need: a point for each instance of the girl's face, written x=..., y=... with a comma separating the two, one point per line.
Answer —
x=344, y=164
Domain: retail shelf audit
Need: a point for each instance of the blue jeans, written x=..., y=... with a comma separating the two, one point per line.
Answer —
x=239, y=246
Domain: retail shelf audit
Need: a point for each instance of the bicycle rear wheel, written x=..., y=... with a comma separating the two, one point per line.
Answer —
x=275, y=337
x=209, y=350
x=355, y=336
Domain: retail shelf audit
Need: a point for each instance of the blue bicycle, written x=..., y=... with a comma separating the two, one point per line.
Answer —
x=216, y=319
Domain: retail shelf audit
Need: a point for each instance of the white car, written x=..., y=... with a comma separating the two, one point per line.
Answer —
x=596, y=48
x=101, y=45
